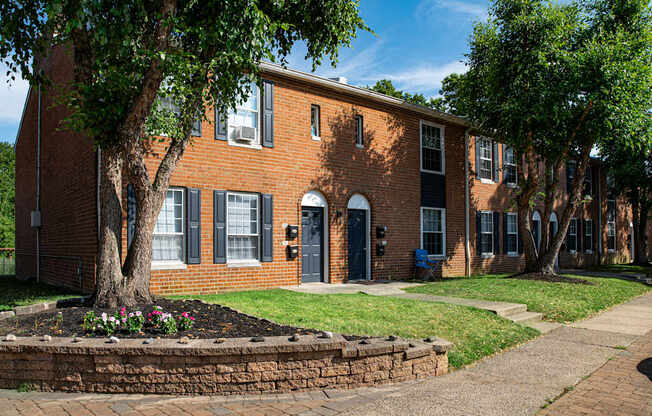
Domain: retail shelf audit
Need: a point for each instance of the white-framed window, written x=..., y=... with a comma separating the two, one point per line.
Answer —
x=433, y=231
x=168, y=239
x=242, y=227
x=315, y=122
x=432, y=147
x=359, y=131
x=485, y=170
x=486, y=233
x=572, y=235
x=512, y=233
x=588, y=236
x=611, y=225
x=588, y=182
x=509, y=166
x=246, y=114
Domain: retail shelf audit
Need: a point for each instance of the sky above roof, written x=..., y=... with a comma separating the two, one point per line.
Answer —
x=417, y=43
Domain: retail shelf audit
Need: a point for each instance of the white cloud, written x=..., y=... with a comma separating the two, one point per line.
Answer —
x=423, y=78
x=433, y=8
x=12, y=97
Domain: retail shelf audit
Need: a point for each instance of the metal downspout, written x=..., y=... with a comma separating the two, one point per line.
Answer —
x=467, y=249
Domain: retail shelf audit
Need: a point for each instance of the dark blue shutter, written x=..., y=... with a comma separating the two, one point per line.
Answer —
x=219, y=227
x=478, y=232
x=579, y=235
x=193, y=221
x=520, y=239
x=505, y=235
x=496, y=232
x=267, y=234
x=502, y=147
x=268, y=114
x=595, y=237
x=477, y=157
x=220, y=125
x=494, y=154
x=131, y=214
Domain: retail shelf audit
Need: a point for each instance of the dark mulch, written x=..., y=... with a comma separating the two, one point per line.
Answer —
x=555, y=278
x=211, y=321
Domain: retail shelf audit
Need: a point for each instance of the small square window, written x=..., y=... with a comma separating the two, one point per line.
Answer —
x=314, y=121
x=359, y=129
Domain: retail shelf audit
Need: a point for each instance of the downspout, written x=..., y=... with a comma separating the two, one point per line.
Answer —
x=467, y=249
x=99, y=211
x=38, y=184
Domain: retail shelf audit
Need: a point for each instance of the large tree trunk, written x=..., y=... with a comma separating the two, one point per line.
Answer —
x=640, y=210
x=115, y=286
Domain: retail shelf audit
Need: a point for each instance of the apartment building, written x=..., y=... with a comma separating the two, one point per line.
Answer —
x=308, y=180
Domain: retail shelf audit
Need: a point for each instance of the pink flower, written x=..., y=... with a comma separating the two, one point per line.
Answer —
x=192, y=319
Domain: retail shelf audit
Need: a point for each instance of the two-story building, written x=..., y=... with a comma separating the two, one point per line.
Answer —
x=308, y=180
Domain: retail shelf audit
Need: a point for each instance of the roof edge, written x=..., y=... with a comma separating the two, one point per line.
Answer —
x=22, y=116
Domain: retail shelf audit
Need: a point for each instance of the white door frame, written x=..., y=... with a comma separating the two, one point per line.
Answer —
x=317, y=199
x=358, y=201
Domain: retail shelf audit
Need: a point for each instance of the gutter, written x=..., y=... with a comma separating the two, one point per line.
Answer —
x=361, y=92
x=467, y=231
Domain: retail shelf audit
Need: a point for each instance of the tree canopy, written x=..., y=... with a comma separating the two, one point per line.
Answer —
x=7, y=194
x=385, y=86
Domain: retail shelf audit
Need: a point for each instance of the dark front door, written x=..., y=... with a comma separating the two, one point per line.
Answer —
x=312, y=252
x=357, y=244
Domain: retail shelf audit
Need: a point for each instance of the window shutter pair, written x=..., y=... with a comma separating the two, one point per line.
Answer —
x=496, y=228
x=193, y=222
x=494, y=154
x=219, y=227
x=267, y=110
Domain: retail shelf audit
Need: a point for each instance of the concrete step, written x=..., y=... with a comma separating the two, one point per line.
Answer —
x=509, y=309
x=525, y=318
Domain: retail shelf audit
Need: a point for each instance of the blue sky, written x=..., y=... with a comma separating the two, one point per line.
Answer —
x=417, y=43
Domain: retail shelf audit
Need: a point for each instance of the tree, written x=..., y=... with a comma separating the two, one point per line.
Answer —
x=553, y=81
x=385, y=86
x=7, y=194
x=134, y=53
x=630, y=173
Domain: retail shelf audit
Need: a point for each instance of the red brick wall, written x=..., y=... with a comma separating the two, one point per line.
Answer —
x=68, y=197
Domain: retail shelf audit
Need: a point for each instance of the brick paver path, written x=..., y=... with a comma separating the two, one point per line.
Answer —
x=622, y=386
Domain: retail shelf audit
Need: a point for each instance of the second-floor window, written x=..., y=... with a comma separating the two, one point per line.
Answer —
x=359, y=131
x=588, y=183
x=571, y=166
x=611, y=225
x=314, y=122
x=485, y=169
x=432, y=148
x=509, y=166
x=244, y=122
x=572, y=235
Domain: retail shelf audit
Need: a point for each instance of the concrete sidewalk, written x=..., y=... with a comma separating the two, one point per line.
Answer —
x=521, y=381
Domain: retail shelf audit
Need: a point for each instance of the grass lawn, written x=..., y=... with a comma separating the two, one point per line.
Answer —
x=561, y=302
x=623, y=268
x=475, y=333
x=14, y=292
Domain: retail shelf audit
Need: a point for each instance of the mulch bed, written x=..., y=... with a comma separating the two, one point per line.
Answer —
x=211, y=321
x=555, y=278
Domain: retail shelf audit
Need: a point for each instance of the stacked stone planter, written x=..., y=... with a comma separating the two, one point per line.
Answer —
x=231, y=366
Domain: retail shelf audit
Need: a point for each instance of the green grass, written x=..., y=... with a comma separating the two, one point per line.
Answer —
x=561, y=302
x=14, y=292
x=623, y=268
x=474, y=332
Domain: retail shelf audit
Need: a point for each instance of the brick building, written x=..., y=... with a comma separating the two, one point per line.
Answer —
x=310, y=179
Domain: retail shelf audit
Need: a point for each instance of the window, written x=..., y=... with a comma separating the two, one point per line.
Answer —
x=359, y=131
x=611, y=185
x=509, y=166
x=246, y=114
x=432, y=147
x=570, y=170
x=168, y=105
x=512, y=233
x=572, y=235
x=486, y=159
x=486, y=233
x=588, y=183
x=588, y=236
x=242, y=227
x=168, y=239
x=611, y=225
x=433, y=231
x=314, y=122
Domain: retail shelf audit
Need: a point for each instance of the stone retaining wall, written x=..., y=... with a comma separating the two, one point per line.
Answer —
x=234, y=366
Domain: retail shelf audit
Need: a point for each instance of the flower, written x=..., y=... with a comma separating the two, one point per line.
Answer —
x=104, y=316
x=138, y=313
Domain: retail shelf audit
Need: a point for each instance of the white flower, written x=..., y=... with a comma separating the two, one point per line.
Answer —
x=104, y=316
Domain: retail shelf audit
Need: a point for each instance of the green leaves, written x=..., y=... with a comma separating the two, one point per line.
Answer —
x=7, y=194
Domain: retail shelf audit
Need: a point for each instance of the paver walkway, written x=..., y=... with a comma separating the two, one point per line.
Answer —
x=623, y=386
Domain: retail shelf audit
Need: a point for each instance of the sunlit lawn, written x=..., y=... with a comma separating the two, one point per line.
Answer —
x=474, y=332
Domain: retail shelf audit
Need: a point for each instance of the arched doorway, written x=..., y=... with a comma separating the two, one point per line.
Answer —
x=554, y=228
x=359, y=241
x=536, y=229
x=314, y=238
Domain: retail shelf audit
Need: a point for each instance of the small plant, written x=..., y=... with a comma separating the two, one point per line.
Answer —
x=154, y=317
x=88, y=324
x=25, y=387
x=59, y=320
x=185, y=321
x=107, y=324
x=134, y=322
x=167, y=324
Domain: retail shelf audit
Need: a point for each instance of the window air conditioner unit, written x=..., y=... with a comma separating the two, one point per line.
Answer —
x=245, y=134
